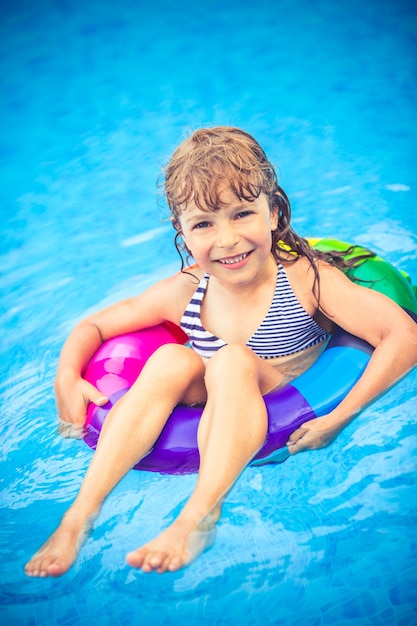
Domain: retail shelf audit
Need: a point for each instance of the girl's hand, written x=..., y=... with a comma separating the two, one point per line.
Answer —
x=314, y=434
x=73, y=396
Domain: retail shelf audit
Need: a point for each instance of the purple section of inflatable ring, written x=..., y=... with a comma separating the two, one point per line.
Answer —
x=176, y=450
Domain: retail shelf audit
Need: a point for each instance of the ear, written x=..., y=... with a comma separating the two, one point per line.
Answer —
x=184, y=241
x=274, y=218
x=181, y=234
x=186, y=246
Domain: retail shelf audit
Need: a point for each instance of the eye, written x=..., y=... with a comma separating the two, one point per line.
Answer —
x=201, y=225
x=244, y=213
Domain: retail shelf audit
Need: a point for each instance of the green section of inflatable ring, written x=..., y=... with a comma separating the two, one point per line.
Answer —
x=375, y=273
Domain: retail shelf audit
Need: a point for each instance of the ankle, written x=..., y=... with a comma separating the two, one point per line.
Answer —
x=78, y=519
x=199, y=517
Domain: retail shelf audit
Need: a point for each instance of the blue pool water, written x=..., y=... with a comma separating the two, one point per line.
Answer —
x=95, y=96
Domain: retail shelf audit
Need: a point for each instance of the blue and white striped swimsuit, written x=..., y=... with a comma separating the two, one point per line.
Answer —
x=287, y=328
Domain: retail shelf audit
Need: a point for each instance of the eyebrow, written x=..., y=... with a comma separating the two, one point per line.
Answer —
x=196, y=216
x=200, y=214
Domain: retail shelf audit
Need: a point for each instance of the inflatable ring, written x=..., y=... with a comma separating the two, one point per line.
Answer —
x=119, y=361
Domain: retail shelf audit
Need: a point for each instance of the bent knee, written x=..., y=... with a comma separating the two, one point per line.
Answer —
x=234, y=352
x=232, y=357
x=176, y=357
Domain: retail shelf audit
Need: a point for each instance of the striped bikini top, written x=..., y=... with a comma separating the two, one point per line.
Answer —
x=287, y=327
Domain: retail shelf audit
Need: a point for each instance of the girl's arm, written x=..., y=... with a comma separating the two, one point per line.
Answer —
x=379, y=321
x=164, y=301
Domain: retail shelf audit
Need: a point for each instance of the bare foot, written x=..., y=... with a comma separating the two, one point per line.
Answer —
x=174, y=548
x=60, y=551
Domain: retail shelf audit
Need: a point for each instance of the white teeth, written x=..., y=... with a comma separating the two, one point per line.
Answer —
x=236, y=259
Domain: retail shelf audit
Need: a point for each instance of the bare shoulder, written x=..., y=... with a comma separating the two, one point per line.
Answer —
x=300, y=267
x=169, y=297
x=303, y=272
x=301, y=275
x=182, y=283
x=360, y=310
x=164, y=301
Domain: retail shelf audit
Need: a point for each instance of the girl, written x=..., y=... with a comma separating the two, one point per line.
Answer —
x=257, y=307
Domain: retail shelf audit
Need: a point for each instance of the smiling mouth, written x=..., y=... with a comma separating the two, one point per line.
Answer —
x=235, y=259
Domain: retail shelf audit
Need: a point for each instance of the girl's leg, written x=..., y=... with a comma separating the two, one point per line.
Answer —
x=232, y=429
x=172, y=375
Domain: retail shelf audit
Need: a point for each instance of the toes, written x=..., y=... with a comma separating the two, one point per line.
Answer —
x=162, y=562
x=165, y=565
x=33, y=568
x=56, y=569
x=46, y=567
x=175, y=564
x=136, y=558
x=154, y=561
x=35, y=571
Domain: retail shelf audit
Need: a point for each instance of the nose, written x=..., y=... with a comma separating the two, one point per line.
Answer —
x=227, y=235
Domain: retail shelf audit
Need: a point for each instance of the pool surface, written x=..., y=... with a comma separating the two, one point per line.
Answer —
x=95, y=96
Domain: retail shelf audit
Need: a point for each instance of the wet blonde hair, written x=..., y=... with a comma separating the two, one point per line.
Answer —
x=213, y=156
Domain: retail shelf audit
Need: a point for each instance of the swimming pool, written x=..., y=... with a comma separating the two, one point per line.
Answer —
x=96, y=96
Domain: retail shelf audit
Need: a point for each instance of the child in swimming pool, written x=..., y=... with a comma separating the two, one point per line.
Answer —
x=258, y=307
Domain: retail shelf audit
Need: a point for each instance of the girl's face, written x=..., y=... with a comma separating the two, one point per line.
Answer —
x=234, y=242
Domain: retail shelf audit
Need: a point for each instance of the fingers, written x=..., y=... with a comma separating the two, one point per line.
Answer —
x=72, y=406
x=294, y=439
x=92, y=394
x=296, y=435
x=310, y=438
x=69, y=430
